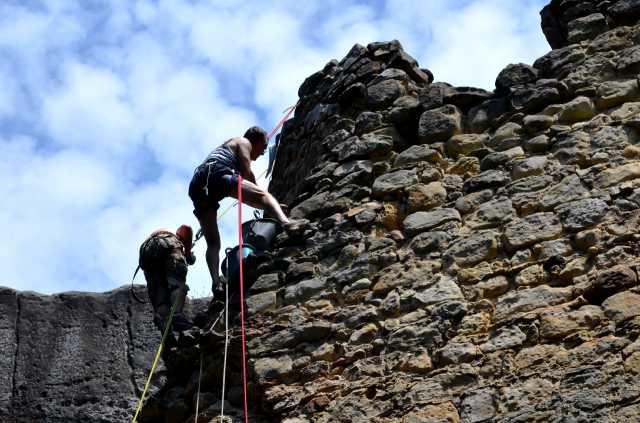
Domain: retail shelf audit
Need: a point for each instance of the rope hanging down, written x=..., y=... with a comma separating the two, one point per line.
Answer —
x=198, y=393
x=244, y=353
x=199, y=235
x=288, y=111
x=223, y=419
x=167, y=328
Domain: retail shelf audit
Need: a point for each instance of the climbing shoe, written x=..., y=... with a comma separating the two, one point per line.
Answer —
x=296, y=226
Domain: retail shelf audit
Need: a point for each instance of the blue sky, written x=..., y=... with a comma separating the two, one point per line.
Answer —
x=106, y=107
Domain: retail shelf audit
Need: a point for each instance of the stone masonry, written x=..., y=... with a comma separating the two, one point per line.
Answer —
x=471, y=256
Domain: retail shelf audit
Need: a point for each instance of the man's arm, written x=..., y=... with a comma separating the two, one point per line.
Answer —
x=244, y=156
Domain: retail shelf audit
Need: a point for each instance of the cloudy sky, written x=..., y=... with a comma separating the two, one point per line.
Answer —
x=106, y=107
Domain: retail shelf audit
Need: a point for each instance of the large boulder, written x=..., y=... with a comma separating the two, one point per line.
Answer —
x=531, y=229
x=586, y=27
x=514, y=75
x=438, y=125
x=394, y=182
x=424, y=221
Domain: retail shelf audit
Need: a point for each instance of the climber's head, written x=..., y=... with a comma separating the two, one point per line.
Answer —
x=185, y=233
x=258, y=138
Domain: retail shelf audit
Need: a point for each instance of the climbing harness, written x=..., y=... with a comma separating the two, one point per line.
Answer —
x=167, y=328
x=206, y=185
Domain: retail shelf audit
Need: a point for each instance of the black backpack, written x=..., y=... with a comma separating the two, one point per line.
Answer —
x=156, y=249
x=258, y=235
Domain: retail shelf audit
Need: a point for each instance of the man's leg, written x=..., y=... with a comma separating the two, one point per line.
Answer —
x=156, y=288
x=177, y=282
x=258, y=198
x=209, y=225
x=177, y=295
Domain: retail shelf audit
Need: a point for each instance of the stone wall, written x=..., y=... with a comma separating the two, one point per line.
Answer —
x=470, y=256
x=566, y=22
x=74, y=357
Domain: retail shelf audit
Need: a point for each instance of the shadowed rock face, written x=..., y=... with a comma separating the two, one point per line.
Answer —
x=73, y=357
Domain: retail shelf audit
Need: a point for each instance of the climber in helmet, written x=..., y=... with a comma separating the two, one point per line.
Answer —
x=164, y=257
x=217, y=178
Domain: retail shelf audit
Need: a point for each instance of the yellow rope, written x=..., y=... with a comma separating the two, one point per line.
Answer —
x=227, y=209
x=155, y=361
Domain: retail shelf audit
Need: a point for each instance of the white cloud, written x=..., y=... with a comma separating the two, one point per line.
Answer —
x=121, y=227
x=145, y=12
x=62, y=183
x=52, y=200
x=29, y=46
x=190, y=114
x=21, y=27
x=8, y=94
x=70, y=182
x=118, y=102
x=467, y=43
x=90, y=110
x=484, y=35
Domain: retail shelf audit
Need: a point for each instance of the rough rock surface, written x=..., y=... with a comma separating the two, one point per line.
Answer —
x=469, y=257
x=74, y=357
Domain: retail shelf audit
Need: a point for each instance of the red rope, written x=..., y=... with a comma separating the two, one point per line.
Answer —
x=289, y=110
x=240, y=256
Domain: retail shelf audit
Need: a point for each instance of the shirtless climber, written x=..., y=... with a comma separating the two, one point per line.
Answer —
x=164, y=258
x=217, y=177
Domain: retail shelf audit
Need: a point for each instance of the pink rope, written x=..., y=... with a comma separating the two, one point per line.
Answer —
x=289, y=110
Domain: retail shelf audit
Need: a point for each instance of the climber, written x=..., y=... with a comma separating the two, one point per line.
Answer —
x=217, y=177
x=164, y=258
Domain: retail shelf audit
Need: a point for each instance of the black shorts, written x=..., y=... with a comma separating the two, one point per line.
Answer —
x=209, y=185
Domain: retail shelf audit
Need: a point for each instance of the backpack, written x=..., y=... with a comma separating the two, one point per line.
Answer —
x=156, y=249
x=258, y=236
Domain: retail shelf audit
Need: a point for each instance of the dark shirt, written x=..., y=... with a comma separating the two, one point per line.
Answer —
x=225, y=157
